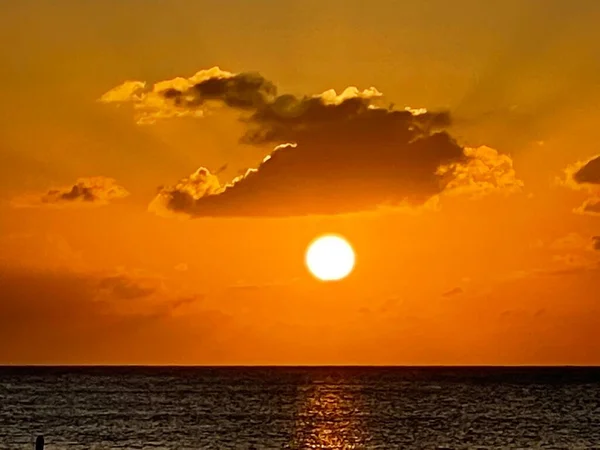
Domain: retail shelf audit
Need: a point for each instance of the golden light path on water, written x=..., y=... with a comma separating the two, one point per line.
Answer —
x=331, y=417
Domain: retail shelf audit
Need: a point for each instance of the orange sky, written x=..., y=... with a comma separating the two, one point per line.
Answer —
x=495, y=263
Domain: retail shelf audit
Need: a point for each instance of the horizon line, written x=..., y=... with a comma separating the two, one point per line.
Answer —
x=308, y=366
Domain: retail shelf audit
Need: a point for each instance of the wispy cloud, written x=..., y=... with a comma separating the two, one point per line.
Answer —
x=86, y=191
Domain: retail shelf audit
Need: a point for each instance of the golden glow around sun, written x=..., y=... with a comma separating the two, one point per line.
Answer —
x=330, y=258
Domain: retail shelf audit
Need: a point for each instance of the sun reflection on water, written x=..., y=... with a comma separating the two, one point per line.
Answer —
x=331, y=417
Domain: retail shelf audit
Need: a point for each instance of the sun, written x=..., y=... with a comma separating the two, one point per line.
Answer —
x=330, y=258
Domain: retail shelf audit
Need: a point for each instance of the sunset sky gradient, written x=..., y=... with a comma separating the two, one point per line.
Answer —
x=165, y=220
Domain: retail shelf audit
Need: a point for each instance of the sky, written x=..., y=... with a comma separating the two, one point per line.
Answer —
x=165, y=164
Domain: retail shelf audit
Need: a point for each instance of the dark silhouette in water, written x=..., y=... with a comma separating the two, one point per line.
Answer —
x=39, y=443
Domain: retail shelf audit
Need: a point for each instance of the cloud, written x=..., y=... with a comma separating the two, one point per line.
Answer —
x=189, y=97
x=588, y=173
x=566, y=265
x=577, y=253
x=75, y=317
x=122, y=287
x=585, y=176
x=453, y=292
x=334, y=153
x=276, y=118
x=574, y=268
x=247, y=91
x=182, y=196
x=596, y=243
x=333, y=173
x=292, y=119
x=590, y=207
x=128, y=91
x=485, y=171
x=86, y=191
x=572, y=241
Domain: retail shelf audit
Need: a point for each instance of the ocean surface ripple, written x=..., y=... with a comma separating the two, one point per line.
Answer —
x=300, y=408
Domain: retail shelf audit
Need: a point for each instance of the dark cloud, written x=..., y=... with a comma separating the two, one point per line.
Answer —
x=291, y=119
x=188, y=97
x=79, y=191
x=352, y=166
x=585, y=176
x=248, y=91
x=93, y=190
x=34, y=295
x=596, y=243
x=273, y=118
x=589, y=172
x=67, y=317
x=591, y=206
x=336, y=153
x=329, y=172
x=244, y=90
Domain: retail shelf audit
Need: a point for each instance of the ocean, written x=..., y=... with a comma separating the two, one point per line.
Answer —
x=299, y=408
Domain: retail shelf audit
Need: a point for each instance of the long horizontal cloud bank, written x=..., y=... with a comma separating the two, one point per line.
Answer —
x=82, y=317
x=334, y=153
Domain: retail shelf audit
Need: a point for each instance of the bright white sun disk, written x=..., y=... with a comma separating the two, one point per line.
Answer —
x=330, y=258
